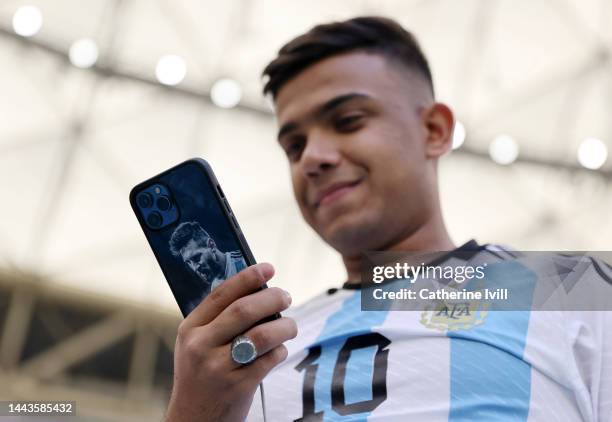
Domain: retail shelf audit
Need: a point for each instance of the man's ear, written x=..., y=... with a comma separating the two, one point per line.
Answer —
x=211, y=243
x=439, y=122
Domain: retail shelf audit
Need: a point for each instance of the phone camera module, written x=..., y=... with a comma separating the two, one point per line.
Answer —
x=157, y=208
x=145, y=200
x=163, y=203
x=155, y=220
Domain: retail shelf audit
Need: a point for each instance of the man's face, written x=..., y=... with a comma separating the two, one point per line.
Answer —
x=202, y=259
x=352, y=128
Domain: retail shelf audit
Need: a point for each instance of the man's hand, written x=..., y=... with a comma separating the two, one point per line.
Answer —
x=208, y=384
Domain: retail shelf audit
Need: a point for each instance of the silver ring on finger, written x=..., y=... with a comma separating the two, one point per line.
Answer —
x=243, y=350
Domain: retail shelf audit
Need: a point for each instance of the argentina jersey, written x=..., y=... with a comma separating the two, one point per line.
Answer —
x=352, y=365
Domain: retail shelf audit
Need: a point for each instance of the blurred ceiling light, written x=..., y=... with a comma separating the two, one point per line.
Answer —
x=226, y=93
x=503, y=149
x=458, y=135
x=27, y=21
x=170, y=69
x=592, y=153
x=83, y=53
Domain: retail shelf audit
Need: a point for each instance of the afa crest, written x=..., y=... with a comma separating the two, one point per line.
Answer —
x=453, y=316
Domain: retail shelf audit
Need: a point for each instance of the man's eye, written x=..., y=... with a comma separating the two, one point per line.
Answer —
x=294, y=148
x=349, y=122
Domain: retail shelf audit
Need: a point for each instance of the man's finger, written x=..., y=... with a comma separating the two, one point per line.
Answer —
x=264, y=364
x=246, y=312
x=245, y=282
x=270, y=335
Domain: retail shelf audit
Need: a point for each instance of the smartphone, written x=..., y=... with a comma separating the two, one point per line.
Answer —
x=192, y=230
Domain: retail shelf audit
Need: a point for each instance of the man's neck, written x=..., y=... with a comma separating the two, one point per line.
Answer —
x=430, y=237
x=223, y=263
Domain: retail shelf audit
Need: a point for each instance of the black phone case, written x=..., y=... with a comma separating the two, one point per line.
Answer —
x=199, y=200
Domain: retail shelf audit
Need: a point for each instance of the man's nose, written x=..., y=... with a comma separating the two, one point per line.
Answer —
x=320, y=154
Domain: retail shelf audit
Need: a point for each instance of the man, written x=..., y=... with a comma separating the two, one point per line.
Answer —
x=362, y=133
x=199, y=252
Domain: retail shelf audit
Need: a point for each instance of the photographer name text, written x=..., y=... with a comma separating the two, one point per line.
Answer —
x=440, y=294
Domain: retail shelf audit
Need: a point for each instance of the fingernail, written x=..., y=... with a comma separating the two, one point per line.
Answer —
x=288, y=295
x=265, y=270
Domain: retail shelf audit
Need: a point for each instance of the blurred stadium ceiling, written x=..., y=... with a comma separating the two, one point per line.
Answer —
x=57, y=344
x=73, y=141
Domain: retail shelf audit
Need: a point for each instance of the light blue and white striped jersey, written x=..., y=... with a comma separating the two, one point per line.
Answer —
x=350, y=365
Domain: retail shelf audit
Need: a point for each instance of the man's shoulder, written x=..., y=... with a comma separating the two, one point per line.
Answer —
x=237, y=260
x=235, y=256
x=565, y=261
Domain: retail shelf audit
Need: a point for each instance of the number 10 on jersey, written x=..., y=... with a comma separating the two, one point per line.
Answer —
x=377, y=378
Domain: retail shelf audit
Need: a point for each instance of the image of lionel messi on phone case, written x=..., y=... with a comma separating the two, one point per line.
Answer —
x=198, y=250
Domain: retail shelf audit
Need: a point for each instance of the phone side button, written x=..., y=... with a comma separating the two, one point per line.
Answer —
x=220, y=191
x=234, y=220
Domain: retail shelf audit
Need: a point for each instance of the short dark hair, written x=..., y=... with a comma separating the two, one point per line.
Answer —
x=367, y=33
x=184, y=233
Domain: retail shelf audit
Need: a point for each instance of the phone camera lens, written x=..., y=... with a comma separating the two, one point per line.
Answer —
x=163, y=203
x=155, y=219
x=144, y=200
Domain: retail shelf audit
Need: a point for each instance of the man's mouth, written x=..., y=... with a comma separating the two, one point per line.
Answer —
x=204, y=273
x=333, y=192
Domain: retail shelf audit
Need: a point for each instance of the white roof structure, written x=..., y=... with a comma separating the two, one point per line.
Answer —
x=73, y=140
